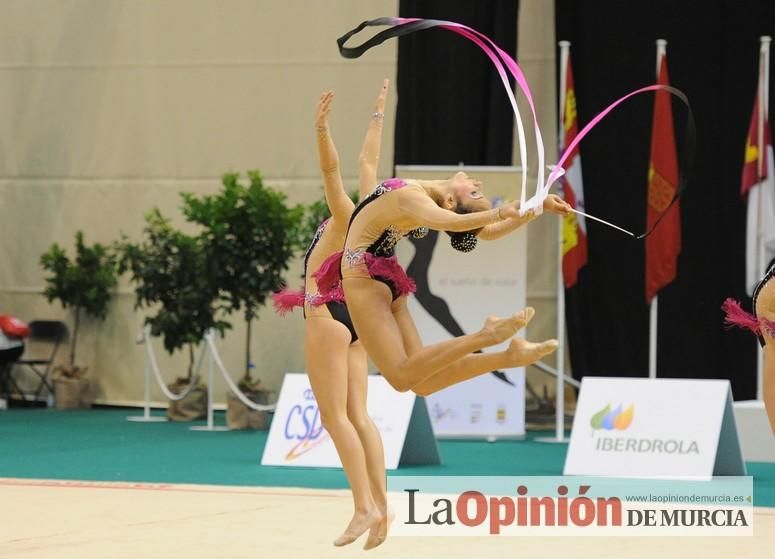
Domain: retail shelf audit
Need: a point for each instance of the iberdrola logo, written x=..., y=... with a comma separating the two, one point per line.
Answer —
x=616, y=419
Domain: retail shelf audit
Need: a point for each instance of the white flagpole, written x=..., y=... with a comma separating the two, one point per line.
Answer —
x=765, y=53
x=763, y=94
x=560, y=387
x=559, y=400
x=661, y=49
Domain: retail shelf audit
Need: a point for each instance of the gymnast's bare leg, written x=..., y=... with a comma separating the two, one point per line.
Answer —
x=519, y=353
x=329, y=375
x=370, y=305
x=357, y=388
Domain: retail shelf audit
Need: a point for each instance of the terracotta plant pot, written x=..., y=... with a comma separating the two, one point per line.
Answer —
x=239, y=416
x=190, y=408
x=71, y=393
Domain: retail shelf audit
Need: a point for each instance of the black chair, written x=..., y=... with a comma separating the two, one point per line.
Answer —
x=8, y=357
x=41, y=349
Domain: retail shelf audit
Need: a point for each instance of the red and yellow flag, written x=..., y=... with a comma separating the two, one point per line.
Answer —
x=664, y=244
x=574, y=233
x=754, y=168
x=758, y=186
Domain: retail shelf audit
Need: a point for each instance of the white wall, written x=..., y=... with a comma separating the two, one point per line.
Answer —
x=114, y=106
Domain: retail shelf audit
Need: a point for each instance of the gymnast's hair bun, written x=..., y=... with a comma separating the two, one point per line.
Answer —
x=464, y=242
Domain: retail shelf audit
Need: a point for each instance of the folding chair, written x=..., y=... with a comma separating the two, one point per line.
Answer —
x=41, y=349
x=7, y=383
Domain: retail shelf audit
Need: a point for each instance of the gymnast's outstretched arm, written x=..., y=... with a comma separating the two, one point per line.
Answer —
x=415, y=202
x=553, y=204
x=369, y=157
x=339, y=203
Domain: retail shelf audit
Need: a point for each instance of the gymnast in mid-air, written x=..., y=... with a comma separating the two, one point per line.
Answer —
x=335, y=359
x=368, y=275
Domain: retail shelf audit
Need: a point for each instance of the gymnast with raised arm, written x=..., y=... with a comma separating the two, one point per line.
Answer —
x=336, y=361
x=374, y=284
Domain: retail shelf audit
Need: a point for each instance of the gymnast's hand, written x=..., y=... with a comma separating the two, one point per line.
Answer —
x=324, y=107
x=379, y=107
x=556, y=205
x=510, y=211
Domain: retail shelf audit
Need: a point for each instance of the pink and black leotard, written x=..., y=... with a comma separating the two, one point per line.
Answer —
x=736, y=316
x=376, y=259
x=312, y=302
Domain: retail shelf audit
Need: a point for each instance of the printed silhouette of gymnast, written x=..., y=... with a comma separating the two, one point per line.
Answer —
x=433, y=304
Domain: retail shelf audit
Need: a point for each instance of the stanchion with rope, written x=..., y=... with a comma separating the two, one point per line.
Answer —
x=210, y=384
x=213, y=358
x=151, y=366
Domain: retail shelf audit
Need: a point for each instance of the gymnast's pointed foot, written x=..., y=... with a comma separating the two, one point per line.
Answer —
x=522, y=353
x=501, y=329
x=378, y=533
x=361, y=521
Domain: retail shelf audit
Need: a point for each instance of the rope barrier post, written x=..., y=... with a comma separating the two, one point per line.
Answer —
x=559, y=406
x=210, y=383
x=143, y=338
x=233, y=387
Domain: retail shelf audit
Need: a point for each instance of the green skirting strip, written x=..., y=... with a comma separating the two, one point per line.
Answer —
x=100, y=445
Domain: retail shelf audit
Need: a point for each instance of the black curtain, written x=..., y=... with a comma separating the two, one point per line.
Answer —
x=712, y=56
x=451, y=103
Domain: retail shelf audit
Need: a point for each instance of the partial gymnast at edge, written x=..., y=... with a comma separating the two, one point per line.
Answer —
x=761, y=323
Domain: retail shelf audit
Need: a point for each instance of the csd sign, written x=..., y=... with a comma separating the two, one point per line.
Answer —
x=297, y=437
x=303, y=419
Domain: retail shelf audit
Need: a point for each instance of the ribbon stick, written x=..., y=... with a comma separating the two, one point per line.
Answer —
x=603, y=221
x=504, y=63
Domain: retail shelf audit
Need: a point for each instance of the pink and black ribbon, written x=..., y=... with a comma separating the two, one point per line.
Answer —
x=505, y=65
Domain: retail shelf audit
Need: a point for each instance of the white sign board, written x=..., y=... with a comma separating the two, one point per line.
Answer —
x=297, y=437
x=455, y=293
x=485, y=406
x=670, y=428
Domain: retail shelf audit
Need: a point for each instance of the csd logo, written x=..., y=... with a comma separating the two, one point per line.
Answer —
x=303, y=421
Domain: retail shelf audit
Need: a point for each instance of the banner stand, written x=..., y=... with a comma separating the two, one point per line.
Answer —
x=297, y=437
x=654, y=428
x=420, y=446
x=729, y=453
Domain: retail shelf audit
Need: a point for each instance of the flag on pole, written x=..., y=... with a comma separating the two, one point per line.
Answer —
x=758, y=185
x=574, y=230
x=664, y=244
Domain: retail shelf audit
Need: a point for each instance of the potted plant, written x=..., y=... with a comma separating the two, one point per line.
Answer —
x=172, y=277
x=251, y=234
x=85, y=285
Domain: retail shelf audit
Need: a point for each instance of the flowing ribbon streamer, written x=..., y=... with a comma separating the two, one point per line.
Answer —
x=405, y=26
